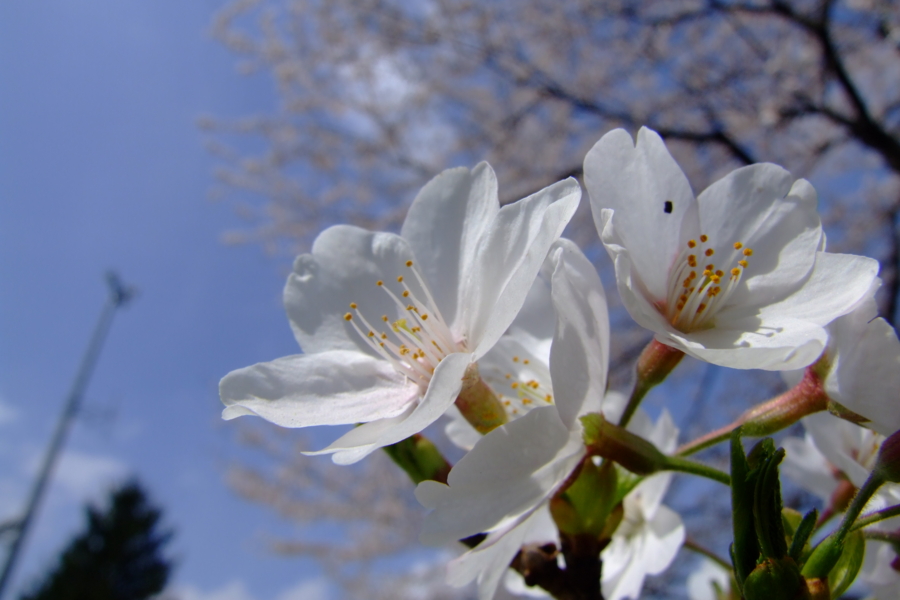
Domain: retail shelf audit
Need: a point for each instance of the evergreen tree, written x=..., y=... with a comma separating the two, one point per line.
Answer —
x=118, y=557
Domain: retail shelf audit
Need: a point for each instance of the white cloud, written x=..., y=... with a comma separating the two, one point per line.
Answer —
x=8, y=413
x=308, y=589
x=82, y=475
x=236, y=590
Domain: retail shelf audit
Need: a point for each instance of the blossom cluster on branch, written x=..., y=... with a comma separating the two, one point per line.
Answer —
x=486, y=317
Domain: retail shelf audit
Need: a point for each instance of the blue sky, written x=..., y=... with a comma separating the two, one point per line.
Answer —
x=101, y=165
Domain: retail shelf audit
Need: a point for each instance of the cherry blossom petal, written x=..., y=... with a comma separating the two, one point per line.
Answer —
x=865, y=369
x=578, y=363
x=636, y=180
x=489, y=561
x=494, y=289
x=445, y=225
x=754, y=205
x=328, y=388
x=442, y=392
x=782, y=344
x=836, y=285
x=508, y=473
x=344, y=266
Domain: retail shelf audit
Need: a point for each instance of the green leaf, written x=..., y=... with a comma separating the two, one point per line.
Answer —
x=745, y=549
x=848, y=565
x=767, y=506
x=801, y=534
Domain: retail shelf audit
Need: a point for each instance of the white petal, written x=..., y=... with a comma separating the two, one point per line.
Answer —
x=701, y=583
x=808, y=468
x=579, y=357
x=345, y=264
x=489, y=561
x=865, y=372
x=328, y=388
x=849, y=447
x=445, y=225
x=627, y=562
x=778, y=345
x=635, y=295
x=636, y=181
x=838, y=284
x=508, y=473
x=442, y=392
x=459, y=430
x=509, y=258
x=757, y=206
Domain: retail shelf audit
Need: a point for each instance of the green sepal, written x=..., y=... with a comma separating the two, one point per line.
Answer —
x=800, y=535
x=745, y=549
x=419, y=458
x=612, y=442
x=844, y=573
x=587, y=504
x=823, y=558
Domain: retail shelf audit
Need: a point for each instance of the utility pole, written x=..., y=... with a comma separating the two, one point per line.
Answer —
x=119, y=295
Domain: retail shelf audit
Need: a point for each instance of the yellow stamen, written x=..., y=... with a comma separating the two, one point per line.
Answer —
x=748, y=251
x=738, y=245
x=409, y=263
x=348, y=317
x=709, y=252
x=743, y=263
x=353, y=305
x=692, y=243
x=703, y=238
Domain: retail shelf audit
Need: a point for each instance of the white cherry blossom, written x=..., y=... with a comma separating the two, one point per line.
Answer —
x=860, y=367
x=391, y=325
x=503, y=485
x=737, y=276
x=650, y=535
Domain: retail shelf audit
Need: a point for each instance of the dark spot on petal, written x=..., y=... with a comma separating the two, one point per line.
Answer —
x=667, y=207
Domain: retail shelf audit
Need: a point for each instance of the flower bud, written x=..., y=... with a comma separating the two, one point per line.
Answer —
x=776, y=579
x=888, y=463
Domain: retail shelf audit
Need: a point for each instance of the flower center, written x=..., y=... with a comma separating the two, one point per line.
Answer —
x=696, y=290
x=520, y=389
x=417, y=341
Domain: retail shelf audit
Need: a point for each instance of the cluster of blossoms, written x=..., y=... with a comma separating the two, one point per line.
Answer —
x=486, y=317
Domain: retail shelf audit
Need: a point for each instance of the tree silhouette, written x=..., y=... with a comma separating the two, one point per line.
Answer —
x=119, y=556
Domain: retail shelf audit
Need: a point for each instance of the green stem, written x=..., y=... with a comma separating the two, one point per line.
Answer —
x=637, y=394
x=875, y=517
x=827, y=553
x=653, y=365
x=675, y=463
x=710, y=439
x=805, y=398
x=695, y=547
x=862, y=498
x=883, y=536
